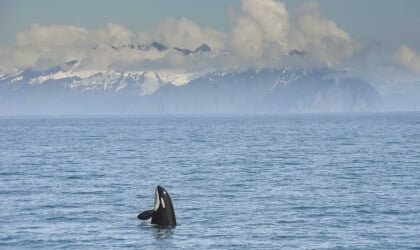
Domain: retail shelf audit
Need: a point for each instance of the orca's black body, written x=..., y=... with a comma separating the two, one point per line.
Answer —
x=163, y=213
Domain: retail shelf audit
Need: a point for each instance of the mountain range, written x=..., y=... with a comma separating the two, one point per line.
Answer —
x=67, y=89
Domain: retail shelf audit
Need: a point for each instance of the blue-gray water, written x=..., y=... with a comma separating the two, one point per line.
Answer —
x=266, y=182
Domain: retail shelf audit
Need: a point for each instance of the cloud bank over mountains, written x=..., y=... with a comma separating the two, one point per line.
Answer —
x=264, y=34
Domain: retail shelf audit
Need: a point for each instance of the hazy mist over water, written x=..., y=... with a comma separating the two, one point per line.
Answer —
x=317, y=181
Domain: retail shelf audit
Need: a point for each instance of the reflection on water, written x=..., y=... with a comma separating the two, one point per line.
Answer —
x=161, y=233
x=330, y=181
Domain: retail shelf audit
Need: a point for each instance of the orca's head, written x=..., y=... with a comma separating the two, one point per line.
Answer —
x=162, y=199
x=164, y=213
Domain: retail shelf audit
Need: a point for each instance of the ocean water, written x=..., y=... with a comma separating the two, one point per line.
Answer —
x=319, y=181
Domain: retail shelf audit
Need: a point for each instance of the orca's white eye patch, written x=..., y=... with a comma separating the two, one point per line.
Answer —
x=162, y=202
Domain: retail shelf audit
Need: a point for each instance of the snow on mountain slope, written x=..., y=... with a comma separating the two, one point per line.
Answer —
x=147, y=82
x=85, y=80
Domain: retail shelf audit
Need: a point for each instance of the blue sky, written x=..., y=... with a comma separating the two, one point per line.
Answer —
x=376, y=39
x=136, y=15
x=389, y=22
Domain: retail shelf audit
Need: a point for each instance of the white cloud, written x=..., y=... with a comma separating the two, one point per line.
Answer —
x=42, y=47
x=267, y=30
x=408, y=58
x=184, y=33
x=321, y=37
x=114, y=34
x=262, y=23
x=46, y=45
x=262, y=35
x=51, y=36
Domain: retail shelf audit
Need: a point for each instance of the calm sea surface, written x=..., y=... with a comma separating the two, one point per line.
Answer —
x=263, y=182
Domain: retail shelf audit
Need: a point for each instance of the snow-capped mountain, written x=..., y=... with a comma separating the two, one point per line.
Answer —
x=203, y=48
x=143, y=47
x=70, y=76
x=267, y=91
x=73, y=76
x=70, y=89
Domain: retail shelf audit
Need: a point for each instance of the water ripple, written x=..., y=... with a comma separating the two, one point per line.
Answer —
x=270, y=182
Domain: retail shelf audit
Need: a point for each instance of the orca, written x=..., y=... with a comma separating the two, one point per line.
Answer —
x=163, y=213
